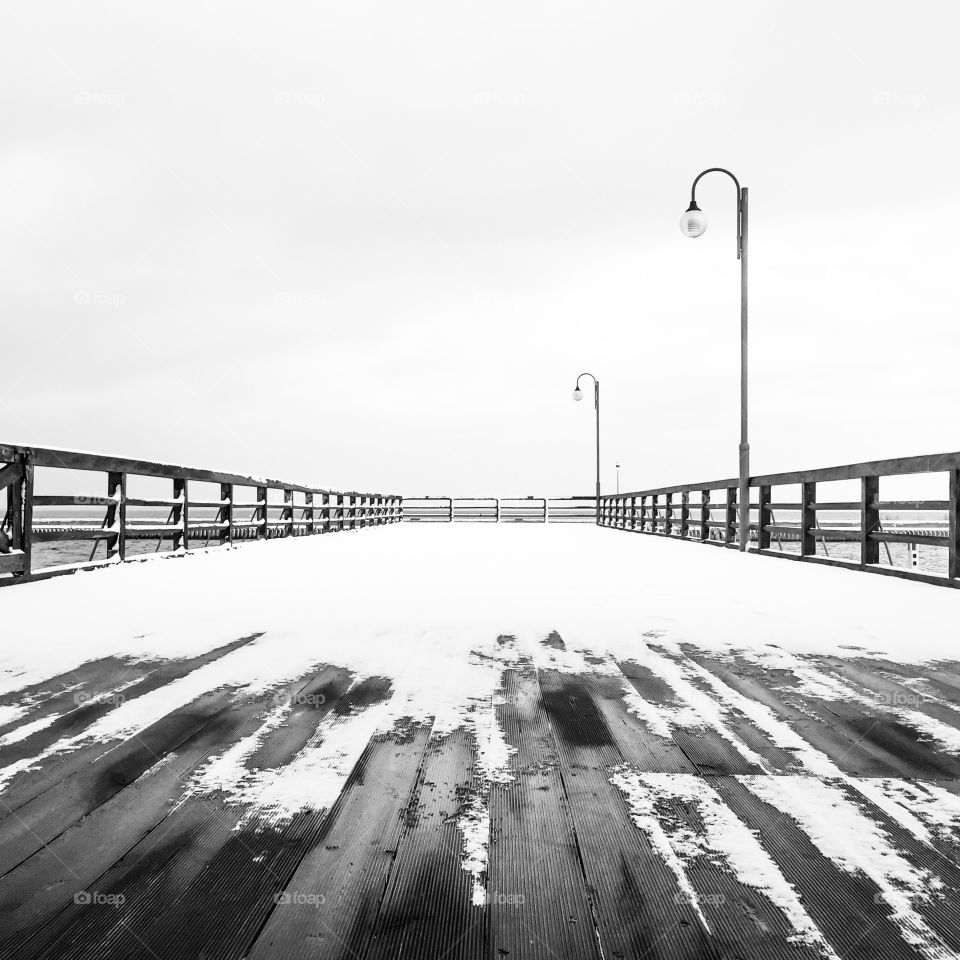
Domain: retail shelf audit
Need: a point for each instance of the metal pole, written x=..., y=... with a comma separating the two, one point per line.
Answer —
x=744, y=493
x=596, y=403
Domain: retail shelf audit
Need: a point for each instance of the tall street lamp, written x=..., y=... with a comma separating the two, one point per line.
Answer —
x=618, y=478
x=578, y=395
x=693, y=224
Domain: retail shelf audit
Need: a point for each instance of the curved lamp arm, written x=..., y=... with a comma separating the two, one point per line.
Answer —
x=693, y=201
x=596, y=387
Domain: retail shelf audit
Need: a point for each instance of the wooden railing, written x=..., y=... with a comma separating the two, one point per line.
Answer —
x=500, y=509
x=303, y=510
x=707, y=513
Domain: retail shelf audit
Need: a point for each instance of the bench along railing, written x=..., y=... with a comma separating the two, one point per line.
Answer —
x=500, y=509
x=707, y=513
x=234, y=515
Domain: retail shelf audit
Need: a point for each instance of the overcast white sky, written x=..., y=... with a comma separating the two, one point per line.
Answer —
x=371, y=245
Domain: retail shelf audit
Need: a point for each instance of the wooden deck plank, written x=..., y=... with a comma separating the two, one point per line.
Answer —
x=649, y=915
x=335, y=893
x=705, y=748
x=194, y=884
x=846, y=906
x=427, y=910
x=636, y=742
x=638, y=904
x=538, y=901
x=827, y=732
x=96, y=700
x=30, y=783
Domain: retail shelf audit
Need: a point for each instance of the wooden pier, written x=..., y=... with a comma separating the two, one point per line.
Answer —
x=545, y=775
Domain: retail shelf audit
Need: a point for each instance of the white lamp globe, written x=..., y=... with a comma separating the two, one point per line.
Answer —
x=577, y=394
x=693, y=223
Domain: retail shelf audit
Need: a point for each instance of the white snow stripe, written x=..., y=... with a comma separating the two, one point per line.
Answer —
x=843, y=833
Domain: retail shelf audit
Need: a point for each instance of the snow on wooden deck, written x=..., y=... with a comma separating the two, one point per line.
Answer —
x=479, y=740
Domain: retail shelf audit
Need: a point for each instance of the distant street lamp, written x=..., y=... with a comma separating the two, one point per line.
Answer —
x=578, y=395
x=618, y=478
x=693, y=223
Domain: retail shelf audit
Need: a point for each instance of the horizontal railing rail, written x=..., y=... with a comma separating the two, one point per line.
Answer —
x=302, y=511
x=500, y=509
x=707, y=513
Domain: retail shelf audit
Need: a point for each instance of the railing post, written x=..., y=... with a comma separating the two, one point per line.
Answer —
x=498, y=509
x=704, y=515
x=311, y=523
x=226, y=513
x=869, y=520
x=20, y=504
x=643, y=513
x=546, y=512
x=730, y=516
x=684, y=513
x=763, y=517
x=668, y=514
x=263, y=515
x=633, y=513
x=808, y=519
x=180, y=515
x=289, y=512
x=953, y=544
x=653, y=512
x=117, y=513
x=449, y=509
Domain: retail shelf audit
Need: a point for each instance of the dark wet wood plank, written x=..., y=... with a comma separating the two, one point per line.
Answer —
x=427, y=909
x=201, y=883
x=96, y=700
x=637, y=743
x=637, y=902
x=847, y=907
x=888, y=692
x=708, y=752
x=842, y=742
x=654, y=918
x=30, y=783
x=336, y=892
x=46, y=815
x=539, y=905
x=32, y=894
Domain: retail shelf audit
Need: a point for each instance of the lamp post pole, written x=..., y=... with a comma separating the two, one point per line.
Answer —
x=693, y=224
x=578, y=395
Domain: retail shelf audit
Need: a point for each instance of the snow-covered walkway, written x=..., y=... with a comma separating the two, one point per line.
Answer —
x=479, y=740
